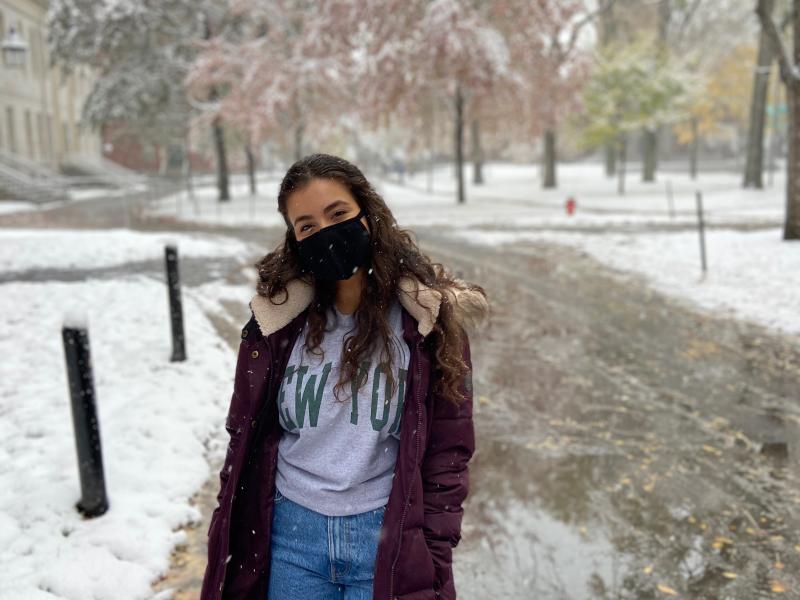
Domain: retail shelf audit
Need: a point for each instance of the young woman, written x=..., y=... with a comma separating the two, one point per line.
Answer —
x=351, y=415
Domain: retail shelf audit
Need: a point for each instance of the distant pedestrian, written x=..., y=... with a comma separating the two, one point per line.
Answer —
x=351, y=414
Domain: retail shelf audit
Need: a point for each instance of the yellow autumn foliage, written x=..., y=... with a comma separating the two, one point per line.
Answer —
x=726, y=96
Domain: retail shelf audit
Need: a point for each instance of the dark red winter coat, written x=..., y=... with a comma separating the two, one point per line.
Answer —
x=422, y=520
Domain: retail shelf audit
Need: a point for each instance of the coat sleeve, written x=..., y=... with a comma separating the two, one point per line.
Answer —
x=445, y=477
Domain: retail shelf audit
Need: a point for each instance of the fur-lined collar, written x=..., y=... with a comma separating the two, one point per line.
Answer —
x=470, y=306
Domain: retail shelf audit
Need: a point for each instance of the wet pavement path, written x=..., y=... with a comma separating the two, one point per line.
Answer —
x=628, y=446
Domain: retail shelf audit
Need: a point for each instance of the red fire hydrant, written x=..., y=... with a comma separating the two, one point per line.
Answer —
x=570, y=205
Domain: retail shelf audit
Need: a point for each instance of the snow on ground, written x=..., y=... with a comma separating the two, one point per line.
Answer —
x=89, y=193
x=201, y=206
x=751, y=275
x=22, y=249
x=512, y=197
x=12, y=206
x=74, y=195
x=160, y=422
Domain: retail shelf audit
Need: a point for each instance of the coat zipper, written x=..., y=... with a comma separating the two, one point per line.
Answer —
x=275, y=361
x=416, y=458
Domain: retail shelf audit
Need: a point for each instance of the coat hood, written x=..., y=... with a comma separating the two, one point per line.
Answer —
x=471, y=308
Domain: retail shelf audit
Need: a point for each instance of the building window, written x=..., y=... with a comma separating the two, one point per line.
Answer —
x=36, y=57
x=12, y=132
x=43, y=150
x=50, y=136
x=29, y=135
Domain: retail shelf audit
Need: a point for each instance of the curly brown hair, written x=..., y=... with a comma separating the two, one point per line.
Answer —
x=394, y=254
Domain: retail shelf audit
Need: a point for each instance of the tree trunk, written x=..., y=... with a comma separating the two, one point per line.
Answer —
x=459, y=141
x=251, y=169
x=649, y=141
x=611, y=159
x=219, y=137
x=693, y=149
x=549, y=180
x=222, y=161
x=791, y=226
x=163, y=158
x=773, y=138
x=477, y=153
x=431, y=150
x=754, y=164
x=623, y=146
x=187, y=164
x=788, y=60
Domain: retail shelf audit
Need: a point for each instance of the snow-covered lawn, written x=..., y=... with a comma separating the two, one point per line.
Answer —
x=13, y=206
x=243, y=209
x=512, y=197
x=160, y=422
x=751, y=275
x=22, y=249
x=74, y=195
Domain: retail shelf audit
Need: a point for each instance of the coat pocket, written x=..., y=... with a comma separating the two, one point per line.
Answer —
x=415, y=567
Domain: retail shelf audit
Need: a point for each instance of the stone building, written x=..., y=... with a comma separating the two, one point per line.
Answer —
x=40, y=108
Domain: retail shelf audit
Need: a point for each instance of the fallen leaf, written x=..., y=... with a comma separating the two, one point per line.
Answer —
x=721, y=541
x=729, y=574
x=666, y=589
x=776, y=586
x=712, y=450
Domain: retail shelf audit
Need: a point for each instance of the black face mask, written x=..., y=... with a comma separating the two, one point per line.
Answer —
x=336, y=251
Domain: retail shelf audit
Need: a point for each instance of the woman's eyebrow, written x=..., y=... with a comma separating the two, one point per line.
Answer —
x=330, y=206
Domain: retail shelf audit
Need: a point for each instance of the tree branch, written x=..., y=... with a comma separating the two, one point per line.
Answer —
x=563, y=53
x=789, y=71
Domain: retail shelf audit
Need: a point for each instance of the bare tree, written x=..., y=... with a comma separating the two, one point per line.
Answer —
x=754, y=165
x=790, y=75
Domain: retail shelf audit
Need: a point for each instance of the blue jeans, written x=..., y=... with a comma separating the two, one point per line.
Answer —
x=325, y=558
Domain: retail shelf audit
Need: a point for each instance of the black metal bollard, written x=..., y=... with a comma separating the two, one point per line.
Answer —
x=175, y=306
x=94, y=501
x=701, y=229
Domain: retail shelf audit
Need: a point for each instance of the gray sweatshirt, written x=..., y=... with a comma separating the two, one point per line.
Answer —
x=338, y=458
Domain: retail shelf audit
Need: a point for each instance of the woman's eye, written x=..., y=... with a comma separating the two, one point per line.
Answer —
x=338, y=212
